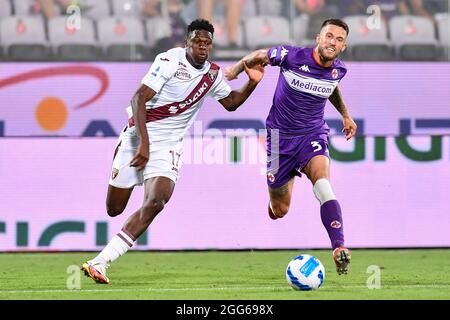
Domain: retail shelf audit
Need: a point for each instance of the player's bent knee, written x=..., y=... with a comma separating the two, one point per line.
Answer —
x=153, y=206
x=150, y=210
x=280, y=209
x=114, y=210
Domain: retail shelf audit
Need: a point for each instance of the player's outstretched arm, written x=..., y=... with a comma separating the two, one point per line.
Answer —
x=256, y=58
x=237, y=97
x=338, y=102
x=141, y=96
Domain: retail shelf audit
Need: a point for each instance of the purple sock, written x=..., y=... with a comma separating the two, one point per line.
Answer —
x=331, y=215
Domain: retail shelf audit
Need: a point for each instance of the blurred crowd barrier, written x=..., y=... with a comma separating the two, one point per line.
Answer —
x=137, y=30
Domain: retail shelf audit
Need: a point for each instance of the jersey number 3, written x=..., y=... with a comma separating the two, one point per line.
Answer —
x=316, y=145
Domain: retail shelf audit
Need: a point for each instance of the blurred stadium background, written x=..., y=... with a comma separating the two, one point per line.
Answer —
x=136, y=30
x=69, y=69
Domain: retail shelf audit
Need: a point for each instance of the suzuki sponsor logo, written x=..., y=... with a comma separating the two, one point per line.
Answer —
x=195, y=97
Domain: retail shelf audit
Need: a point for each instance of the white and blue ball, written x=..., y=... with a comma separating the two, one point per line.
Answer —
x=305, y=272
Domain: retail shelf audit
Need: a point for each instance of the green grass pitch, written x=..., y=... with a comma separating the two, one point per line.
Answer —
x=224, y=275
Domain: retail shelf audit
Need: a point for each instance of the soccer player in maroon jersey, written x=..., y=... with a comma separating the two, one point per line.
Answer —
x=150, y=147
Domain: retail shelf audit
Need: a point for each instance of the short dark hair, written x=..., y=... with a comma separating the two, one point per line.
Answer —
x=200, y=24
x=336, y=22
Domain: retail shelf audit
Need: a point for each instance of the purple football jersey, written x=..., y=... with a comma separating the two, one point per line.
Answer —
x=302, y=90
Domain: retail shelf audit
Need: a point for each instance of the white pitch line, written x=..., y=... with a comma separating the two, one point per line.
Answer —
x=142, y=290
x=284, y=288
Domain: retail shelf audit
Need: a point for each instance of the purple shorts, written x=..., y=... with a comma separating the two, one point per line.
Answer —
x=290, y=155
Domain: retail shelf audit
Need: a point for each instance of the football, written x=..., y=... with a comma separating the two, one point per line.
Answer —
x=305, y=272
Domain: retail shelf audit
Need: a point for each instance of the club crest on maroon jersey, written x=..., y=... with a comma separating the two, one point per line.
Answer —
x=212, y=74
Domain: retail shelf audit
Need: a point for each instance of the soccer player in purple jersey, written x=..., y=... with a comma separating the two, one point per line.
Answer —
x=296, y=130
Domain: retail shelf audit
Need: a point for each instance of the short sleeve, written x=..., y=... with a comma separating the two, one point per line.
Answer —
x=221, y=90
x=160, y=72
x=277, y=55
